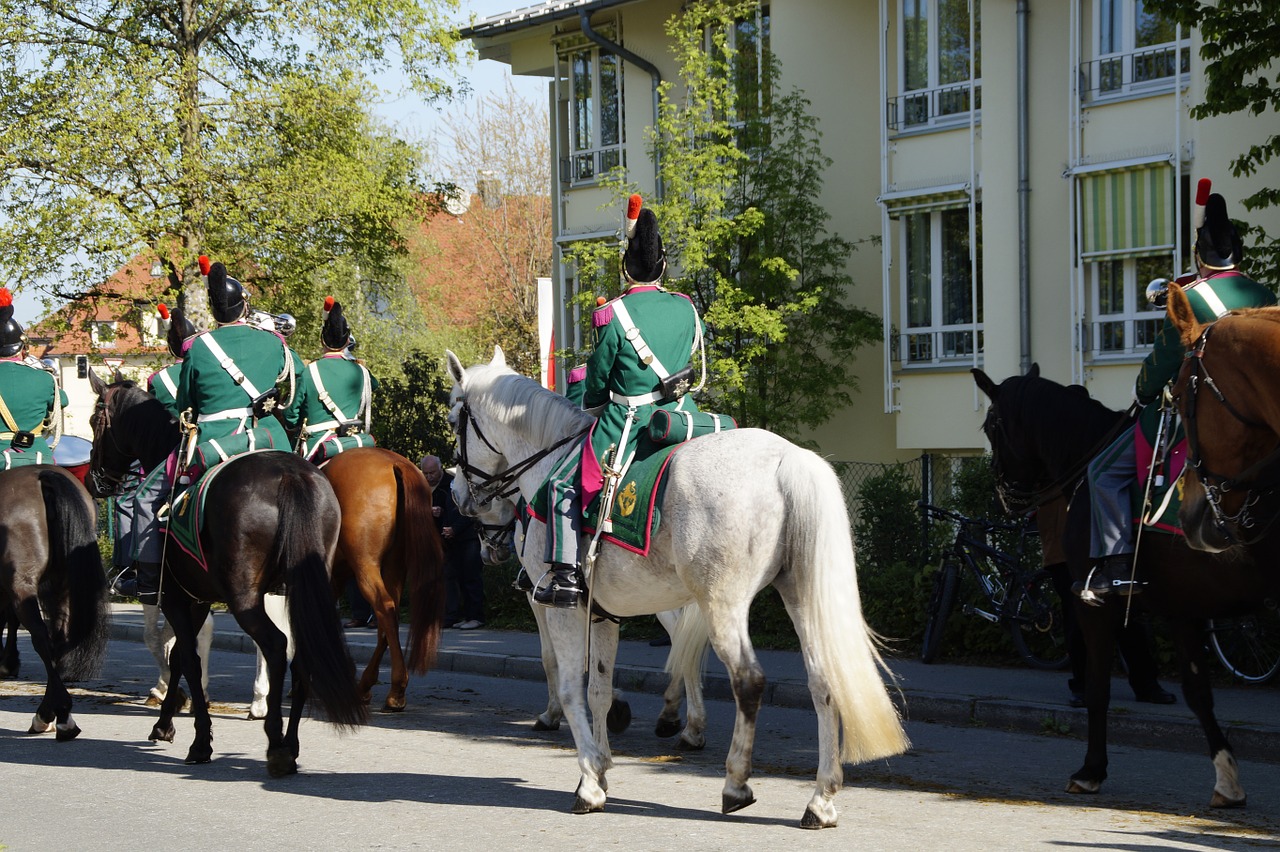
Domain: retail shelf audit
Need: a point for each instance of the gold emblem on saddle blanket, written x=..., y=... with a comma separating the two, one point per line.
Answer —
x=627, y=499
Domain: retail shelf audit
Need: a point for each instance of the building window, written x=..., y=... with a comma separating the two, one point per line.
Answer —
x=594, y=89
x=1123, y=322
x=748, y=39
x=941, y=321
x=1135, y=51
x=103, y=335
x=934, y=67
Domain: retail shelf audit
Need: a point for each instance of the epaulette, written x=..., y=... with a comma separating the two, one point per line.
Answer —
x=603, y=315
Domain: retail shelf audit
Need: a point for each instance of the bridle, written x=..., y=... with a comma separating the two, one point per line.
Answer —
x=1259, y=481
x=485, y=486
x=105, y=482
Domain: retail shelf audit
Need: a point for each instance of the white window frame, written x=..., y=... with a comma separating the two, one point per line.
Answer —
x=1127, y=69
x=96, y=329
x=763, y=48
x=926, y=108
x=938, y=342
x=1137, y=321
x=598, y=153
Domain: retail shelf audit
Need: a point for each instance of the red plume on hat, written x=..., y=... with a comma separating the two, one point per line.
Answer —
x=644, y=260
x=634, y=203
x=163, y=310
x=204, y=264
x=6, y=298
x=10, y=330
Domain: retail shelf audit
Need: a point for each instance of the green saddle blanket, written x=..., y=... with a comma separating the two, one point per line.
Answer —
x=1166, y=483
x=186, y=513
x=636, y=509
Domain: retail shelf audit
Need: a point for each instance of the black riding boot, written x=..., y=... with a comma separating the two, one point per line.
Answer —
x=148, y=582
x=563, y=588
x=1112, y=576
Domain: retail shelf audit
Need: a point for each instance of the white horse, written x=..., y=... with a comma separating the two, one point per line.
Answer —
x=743, y=509
x=501, y=535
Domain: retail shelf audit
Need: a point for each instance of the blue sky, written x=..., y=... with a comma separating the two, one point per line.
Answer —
x=417, y=119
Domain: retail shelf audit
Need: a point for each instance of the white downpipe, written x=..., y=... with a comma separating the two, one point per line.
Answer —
x=1075, y=332
x=886, y=241
x=978, y=396
x=1177, y=149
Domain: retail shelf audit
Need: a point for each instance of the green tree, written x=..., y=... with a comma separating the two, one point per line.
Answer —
x=741, y=170
x=411, y=411
x=231, y=128
x=1241, y=42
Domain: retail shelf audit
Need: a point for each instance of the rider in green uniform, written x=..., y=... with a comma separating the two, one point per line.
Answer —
x=644, y=340
x=228, y=384
x=163, y=383
x=1217, y=288
x=336, y=393
x=31, y=402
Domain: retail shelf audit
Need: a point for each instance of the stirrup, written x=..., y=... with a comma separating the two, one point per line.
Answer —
x=564, y=590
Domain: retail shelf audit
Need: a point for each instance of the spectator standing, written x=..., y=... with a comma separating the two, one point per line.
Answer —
x=463, y=568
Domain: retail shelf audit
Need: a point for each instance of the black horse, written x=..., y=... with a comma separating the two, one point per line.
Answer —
x=1042, y=435
x=270, y=522
x=52, y=581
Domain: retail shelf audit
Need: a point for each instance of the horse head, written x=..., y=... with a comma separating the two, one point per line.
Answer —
x=1021, y=474
x=495, y=519
x=1231, y=485
x=126, y=425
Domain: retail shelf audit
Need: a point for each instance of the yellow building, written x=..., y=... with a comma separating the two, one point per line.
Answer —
x=1061, y=146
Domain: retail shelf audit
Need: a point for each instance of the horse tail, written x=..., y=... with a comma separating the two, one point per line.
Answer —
x=73, y=550
x=842, y=649
x=422, y=554
x=299, y=553
x=690, y=643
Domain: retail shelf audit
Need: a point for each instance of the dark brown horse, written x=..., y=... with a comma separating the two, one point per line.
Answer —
x=389, y=541
x=1042, y=435
x=270, y=521
x=51, y=580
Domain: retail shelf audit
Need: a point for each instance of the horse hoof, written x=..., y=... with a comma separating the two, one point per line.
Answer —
x=152, y=701
x=280, y=764
x=39, y=726
x=1221, y=801
x=1080, y=785
x=159, y=734
x=539, y=725
x=687, y=745
x=729, y=804
x=194, y=759
x=667, y=728
x=582, y=806
x=396, y=707
x=254, y=717
x=619, y=717
x=813, y=821
x=70, y=732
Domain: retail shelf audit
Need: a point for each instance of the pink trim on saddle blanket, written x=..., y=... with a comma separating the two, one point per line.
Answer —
x=1172, y=469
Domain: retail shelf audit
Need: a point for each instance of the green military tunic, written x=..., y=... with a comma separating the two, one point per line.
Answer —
x=31, y=396
x=221, y=405
x=335, y=391
x=163, y=385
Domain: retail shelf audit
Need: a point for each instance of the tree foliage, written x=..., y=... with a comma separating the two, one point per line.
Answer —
x=411, y=411
x=742, y=169
x=1240, y=46
x=233, y=128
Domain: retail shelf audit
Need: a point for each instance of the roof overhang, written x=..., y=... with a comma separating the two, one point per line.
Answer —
x=535, y=16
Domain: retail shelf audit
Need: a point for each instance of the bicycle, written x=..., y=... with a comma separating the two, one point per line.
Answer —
x=1248, y=646
x=1022, y=600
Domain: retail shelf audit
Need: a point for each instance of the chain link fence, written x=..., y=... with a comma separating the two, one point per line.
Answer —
x=933, y=474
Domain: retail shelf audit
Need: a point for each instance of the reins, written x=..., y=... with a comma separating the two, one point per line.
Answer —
x=1260, y=480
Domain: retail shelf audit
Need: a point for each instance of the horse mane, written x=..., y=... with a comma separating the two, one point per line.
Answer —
x=545, y=416
x=145, y=417
x=1067, y=421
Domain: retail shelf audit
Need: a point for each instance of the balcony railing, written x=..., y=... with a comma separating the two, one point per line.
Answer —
x=936, y=346
x=931, y=107
x=1122, y=336
x=1142, y=71
x=589, y=166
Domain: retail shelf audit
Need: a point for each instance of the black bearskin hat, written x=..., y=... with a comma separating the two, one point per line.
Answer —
x=10, y=332
x=227, y=298
x=335, y=334
x=1217, y=243
x=180, y=330
x=644, y=261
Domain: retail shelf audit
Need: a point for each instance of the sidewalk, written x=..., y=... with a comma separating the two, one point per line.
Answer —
x=1015, y=698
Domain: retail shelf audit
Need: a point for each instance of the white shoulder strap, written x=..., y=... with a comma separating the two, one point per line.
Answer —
x=169, y=384
x=227, y=364
x=325, y=399
x=637, y=341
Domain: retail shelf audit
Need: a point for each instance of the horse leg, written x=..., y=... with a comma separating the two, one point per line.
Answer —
x=290, y=746
x=601, y=696
x=685, y=662
x=1197, y=691
x=184, y=619
x=567, y=631
x=549, y=719
x=732, y=643
x=159, y=641
x=386, y=609
x=275, y=605
x=9, y=659
x=55, y=706
x=274, y=644
x=669, y=724
x=1098, y=625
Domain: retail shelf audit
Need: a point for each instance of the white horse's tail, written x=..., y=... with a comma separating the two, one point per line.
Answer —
x=840, y=648
x=689, y=645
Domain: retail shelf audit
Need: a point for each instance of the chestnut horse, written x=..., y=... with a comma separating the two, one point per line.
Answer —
x=1042, y=436
x=388, y=542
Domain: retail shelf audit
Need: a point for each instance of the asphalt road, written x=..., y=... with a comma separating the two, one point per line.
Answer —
x=462, y=769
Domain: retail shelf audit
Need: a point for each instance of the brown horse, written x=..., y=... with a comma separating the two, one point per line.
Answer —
x=388, y=541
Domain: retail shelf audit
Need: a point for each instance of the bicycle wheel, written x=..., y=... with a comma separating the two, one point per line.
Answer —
x=943, y=599
x=1248, y=646
x=1035, y=622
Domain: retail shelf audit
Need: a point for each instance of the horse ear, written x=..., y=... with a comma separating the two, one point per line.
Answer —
x=1035, y=369
x=96, y=383
x=984, y=382
x=454, y=366
x=1183, y=316
x=117, y=376
x=499, y=357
